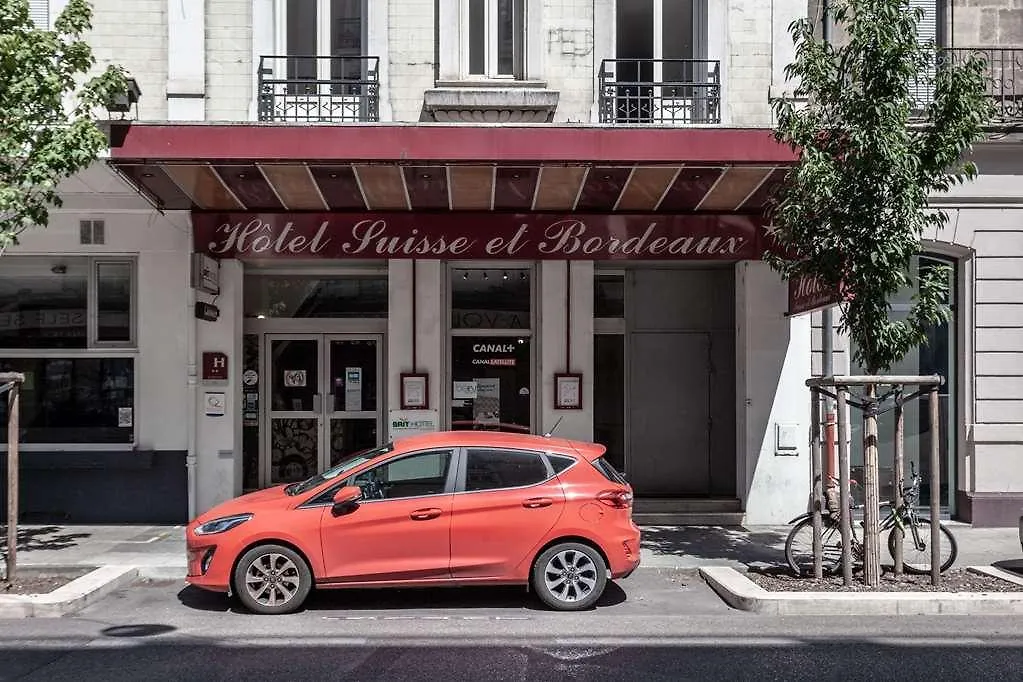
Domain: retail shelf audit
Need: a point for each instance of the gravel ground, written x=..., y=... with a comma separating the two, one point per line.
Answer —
x=953, y=580
x=34, y=582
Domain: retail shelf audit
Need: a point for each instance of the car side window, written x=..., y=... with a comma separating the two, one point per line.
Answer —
x=424, y=473
x=492, y=469
x=560, y=462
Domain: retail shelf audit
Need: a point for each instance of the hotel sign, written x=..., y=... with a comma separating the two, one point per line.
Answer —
x=479, y=235
x=808, y=294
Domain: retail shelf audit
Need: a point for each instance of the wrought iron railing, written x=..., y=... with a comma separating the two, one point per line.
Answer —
x=1004, y=72
x=660, y=91
x=319, y=89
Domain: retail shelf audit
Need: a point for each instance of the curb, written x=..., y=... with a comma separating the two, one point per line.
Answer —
x=741, y=593
x=68, y=598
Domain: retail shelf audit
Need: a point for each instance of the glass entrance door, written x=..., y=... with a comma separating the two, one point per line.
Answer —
x=323, y=402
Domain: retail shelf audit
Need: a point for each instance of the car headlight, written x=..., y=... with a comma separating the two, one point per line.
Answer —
x=222, y=524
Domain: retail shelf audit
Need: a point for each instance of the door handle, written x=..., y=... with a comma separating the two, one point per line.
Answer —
x=425, y=514
x=537, y=502
x=317, y=403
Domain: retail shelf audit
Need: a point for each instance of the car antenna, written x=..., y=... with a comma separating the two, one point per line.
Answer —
x=554, y=428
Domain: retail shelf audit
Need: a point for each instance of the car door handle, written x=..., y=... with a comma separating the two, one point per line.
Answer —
x=425, y=514
x=537, y=502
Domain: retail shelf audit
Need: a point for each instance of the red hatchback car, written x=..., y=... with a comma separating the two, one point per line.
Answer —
x=455, y=508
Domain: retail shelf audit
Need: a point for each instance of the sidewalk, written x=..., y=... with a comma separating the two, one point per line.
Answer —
x=159, y=551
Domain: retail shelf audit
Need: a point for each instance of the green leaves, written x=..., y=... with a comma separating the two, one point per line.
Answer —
x=852, y=211
x=48, y=129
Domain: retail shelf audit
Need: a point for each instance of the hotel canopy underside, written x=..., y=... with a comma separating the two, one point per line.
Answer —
x=267, y=168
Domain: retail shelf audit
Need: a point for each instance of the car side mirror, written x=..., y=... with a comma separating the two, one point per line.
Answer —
x=346, y=499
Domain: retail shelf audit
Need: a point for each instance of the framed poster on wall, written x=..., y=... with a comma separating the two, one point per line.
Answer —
x=415, y=390
x=568, y=391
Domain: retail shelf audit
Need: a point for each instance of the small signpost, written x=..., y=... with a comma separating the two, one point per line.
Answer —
x=10, y=384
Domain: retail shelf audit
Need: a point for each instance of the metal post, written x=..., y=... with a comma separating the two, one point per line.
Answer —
x=13, y=403
x=935, y=490
x=871, y=502
x=815, y=472
x=843, y=482
x=897, y=475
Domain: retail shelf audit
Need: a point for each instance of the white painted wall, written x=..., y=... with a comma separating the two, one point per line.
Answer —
x=772, y=365
x=218, y=442
x=430, y=327
x=550, y=336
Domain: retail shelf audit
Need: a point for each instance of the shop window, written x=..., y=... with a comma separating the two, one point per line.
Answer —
x=292, y=296
x=53, y=310
x=74, y=399
x=495, y=42
x=937, y=356
x=491, y=356
x=497, y=469
x=490, y=299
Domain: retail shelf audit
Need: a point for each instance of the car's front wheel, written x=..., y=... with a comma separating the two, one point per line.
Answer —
x=272, y=579
x=570, y=576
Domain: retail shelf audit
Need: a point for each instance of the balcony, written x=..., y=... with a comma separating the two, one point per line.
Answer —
x=318, y=89
x=666, y=92
x=1004, y=80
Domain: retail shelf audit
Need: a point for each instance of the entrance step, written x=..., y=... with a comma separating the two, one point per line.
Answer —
x=687, y=512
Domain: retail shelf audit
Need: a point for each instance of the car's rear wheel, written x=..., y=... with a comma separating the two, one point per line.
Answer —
x=272, y=579
x=570, y=576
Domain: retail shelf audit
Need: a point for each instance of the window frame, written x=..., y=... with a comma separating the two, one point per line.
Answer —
x=520, y=66
x=324, y=17
x=93, y=348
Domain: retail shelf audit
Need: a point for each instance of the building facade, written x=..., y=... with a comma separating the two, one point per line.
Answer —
x=335, y=222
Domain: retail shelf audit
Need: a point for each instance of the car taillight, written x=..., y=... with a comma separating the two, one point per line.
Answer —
x=619, y=499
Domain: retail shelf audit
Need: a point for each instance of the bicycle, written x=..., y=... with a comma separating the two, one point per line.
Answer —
x=915, y=549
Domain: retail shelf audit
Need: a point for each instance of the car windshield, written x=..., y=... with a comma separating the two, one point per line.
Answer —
x=338, y=469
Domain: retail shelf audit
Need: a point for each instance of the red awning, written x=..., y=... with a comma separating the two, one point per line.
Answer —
x=430, y=167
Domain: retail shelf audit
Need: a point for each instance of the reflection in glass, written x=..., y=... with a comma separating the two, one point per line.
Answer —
x=294, y=454
x=348, y=436
x=250, y=411
x=315, y=297
x=295, y=381
x=609, y=396
x=491, y=383
x=609, y=296
x=353, y=375
x=113, y=301
x=43, y=302
x=937, y=356
x=490, y=299
x=74, y=400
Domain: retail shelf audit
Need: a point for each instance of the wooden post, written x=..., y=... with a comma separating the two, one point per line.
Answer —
x=817, y=488
x=871, y=502
x=843, y=482
x=935, y=489
x=897, y=475
x=13, y=402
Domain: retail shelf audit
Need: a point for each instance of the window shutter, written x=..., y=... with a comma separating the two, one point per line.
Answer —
x=39, y=13
x=927, y=28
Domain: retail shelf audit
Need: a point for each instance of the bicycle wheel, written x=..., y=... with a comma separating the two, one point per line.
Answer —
x=917, y=559
x=799, y=547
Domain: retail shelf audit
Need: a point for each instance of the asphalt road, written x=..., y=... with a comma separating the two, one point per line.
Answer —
x=661, y=624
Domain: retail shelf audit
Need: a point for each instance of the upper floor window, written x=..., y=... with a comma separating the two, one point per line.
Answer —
x=495, y=43
x=313, y=29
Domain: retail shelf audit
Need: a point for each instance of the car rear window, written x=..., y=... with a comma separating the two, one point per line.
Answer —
x=560, y=462
x=610, y=473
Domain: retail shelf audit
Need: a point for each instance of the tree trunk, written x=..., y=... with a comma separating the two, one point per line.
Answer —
x=871, y=511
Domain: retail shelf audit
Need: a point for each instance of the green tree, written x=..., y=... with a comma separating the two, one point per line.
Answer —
x=878, y=130
x=48, y=130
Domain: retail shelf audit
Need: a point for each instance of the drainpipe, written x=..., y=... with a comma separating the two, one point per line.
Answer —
x=191, y=399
